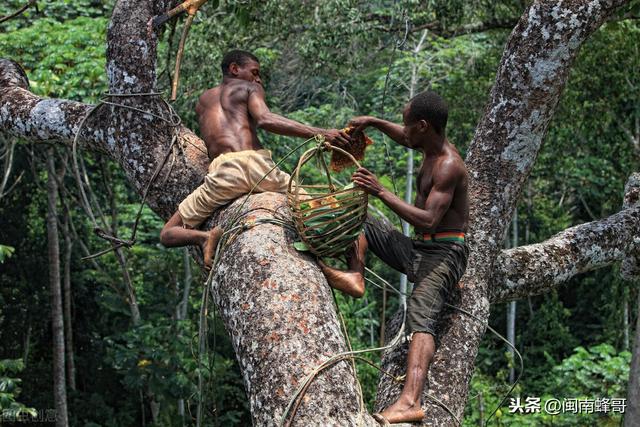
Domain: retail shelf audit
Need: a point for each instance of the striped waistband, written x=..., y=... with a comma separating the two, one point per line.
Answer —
x=446, y=236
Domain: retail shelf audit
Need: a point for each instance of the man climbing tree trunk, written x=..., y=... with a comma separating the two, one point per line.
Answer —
x=57, y=325
x=262, y=281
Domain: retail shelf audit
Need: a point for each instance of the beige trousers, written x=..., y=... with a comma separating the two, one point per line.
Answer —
x=230, y=176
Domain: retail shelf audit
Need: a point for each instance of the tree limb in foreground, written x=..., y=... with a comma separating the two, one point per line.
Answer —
x=538, y=268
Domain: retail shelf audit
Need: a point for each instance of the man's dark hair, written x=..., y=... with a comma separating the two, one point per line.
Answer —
x=240, y=57
x=429, y=106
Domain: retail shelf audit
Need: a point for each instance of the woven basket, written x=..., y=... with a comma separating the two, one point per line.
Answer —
x=328, y=219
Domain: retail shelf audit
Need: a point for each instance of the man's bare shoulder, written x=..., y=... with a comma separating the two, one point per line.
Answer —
x=206, y=99
x=451, y=166
x=211, y=91
x=239, y=88
x=208, y=96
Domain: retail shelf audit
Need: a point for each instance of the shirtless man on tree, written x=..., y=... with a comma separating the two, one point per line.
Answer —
x=229, y=115
x=436, y=257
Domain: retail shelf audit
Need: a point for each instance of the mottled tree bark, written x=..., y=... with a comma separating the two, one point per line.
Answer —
x=630, y=271
x=274, y=301
x=532, y=73
x=632, y=415
x=538, y=268
x=631, y=264
x=279, y=310
x=57, y=325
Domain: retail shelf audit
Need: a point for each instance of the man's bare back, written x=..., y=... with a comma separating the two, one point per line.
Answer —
x=223, y=116
x=230, y=113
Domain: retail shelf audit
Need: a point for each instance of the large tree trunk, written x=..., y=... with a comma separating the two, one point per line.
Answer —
x=273, y=300
x=57, y=326
x=279, y=311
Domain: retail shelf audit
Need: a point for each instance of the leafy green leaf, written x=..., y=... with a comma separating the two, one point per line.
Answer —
x=301, y=246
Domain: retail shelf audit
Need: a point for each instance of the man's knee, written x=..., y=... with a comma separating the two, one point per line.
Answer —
x=421, y=336
x=423, y=341
x=165, y=235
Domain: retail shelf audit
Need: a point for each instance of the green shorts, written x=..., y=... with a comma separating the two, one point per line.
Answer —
x=434, y=267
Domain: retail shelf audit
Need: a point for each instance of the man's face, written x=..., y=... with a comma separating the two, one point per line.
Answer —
x=250, y=71
x=412, y=129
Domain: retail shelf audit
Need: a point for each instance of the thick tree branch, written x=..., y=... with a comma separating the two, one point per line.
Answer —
x=630, y=268
x=37, y=119
x=536, y=269
x=131, y=48
x=136, y=140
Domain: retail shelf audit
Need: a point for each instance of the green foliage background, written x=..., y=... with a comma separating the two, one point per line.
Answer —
x=323, y=63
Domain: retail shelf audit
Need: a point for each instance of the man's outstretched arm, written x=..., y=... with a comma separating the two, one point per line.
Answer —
x=436, y=205
x=280, y=125
x=392, y=130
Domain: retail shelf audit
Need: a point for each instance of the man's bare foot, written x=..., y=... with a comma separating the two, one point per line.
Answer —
x=209, y=247
x=402, y=413
x=349, y=282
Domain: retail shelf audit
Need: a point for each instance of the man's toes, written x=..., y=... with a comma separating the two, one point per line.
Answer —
x=381, y=419
x=210, y=246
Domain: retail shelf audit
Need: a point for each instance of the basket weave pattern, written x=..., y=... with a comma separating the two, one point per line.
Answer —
x=328, y=219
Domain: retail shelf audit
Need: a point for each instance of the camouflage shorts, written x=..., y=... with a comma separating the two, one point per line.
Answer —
x=434, y=267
